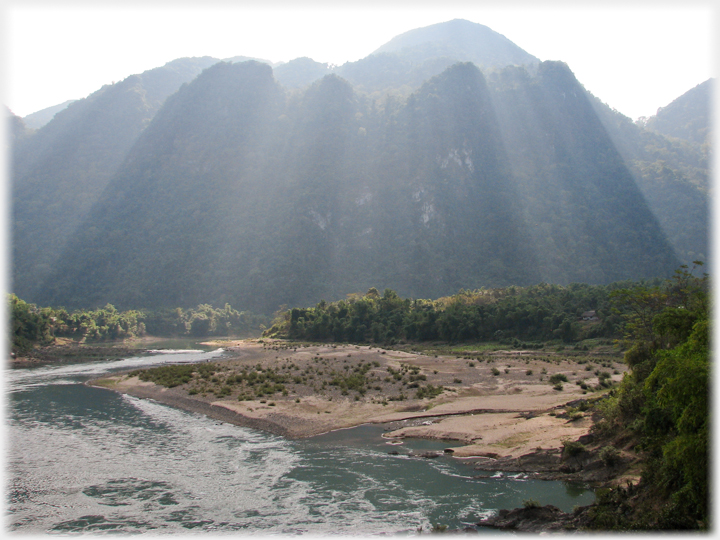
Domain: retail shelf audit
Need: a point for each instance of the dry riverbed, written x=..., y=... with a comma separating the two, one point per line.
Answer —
x=499, y=404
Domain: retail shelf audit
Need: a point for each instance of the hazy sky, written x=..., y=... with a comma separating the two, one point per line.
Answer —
x=635, y=56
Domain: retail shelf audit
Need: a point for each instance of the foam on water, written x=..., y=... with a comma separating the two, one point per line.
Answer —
x=23, y=378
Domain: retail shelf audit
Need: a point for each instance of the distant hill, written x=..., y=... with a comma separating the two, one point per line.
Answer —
x=688, y=117
x=38, y=119
x=258, y=185
x=410, y=59
x=461, y=40
x=300, y=72
x=17, y=129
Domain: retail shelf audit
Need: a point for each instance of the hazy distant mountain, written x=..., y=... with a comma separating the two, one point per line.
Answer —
x=257, y=186
x=38, y=119
x=300, y=72
x=408, y=60
x=688, y=117
x=17, y=129
x=236, y=59
x=461, y=40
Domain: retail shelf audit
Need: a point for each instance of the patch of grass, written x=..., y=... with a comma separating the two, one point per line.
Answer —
x=513, y=440
x=105, y=383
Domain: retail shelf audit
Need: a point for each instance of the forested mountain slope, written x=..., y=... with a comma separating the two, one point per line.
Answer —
x=61, y=171
x=240, y=192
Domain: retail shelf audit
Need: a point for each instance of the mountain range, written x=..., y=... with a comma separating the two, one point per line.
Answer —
x=449, y=158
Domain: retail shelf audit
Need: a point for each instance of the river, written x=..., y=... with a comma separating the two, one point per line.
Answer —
x=88, y=460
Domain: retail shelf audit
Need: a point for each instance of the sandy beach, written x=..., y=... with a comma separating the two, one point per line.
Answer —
x=496, y=404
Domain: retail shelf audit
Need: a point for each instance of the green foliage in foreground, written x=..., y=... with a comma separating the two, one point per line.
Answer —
x=32, y=325
x=663, y=403
x=518, y=316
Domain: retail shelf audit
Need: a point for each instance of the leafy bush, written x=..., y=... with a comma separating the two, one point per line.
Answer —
x=573, y=448
x=609, y=455
x=169, y=376
x=429, y=391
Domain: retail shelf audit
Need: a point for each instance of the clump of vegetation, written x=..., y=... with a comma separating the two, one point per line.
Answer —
x=609, y=455
x=573, y=448
x=169, y=376
x=429, y=391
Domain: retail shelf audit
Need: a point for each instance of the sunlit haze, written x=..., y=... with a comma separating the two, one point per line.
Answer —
x=634, y=56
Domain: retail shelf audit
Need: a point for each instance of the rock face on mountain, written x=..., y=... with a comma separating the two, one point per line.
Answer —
x=236, y=189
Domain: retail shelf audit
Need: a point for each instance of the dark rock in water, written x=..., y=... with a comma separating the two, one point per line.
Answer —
x=536, y=519
x=449, y=451
x=394, y=453
x=544, y=461
x=426, y=455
